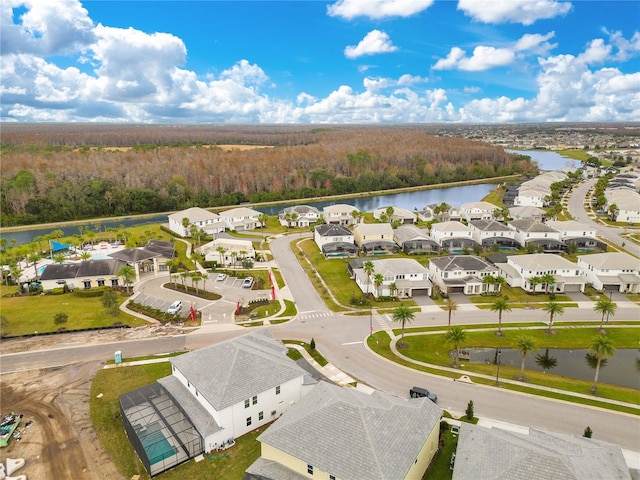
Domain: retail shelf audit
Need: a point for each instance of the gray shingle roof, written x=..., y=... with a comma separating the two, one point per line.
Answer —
x=60, y=271
x=490, y=226
x=495, y=454
x=462, y=262
x=229, y=372
x=531, y=225
x=327, y=230
x=353, y=435
x=92, y=268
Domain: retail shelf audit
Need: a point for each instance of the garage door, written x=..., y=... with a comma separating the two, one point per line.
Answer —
x=420, y=292
x=456, y=289
x=611, y=288
x=572, y=288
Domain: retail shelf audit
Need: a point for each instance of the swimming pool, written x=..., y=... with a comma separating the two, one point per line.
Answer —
x=154, y=443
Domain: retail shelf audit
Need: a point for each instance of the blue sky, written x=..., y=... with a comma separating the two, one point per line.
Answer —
x=345, y=61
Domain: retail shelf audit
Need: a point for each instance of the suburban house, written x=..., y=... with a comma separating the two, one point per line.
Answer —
x=342, y=433
x=450, y=213
x=227, y=251
x=408, y=277
x=491, y=453
x=213, y=396
x=531, y=196
x=375, y=238
x=209, y=222
x=611, y=271
x=153, y=257
x=478, y=211
x=518, y=213
x=83, y=275
x=627, y=203
x=299, y=216
x=426, y=214
x=489, y=233
x=520, y=269
x=402, y=215
x=453, y=236
x=335, y=241
x=241, y=218
x=531, y=231
x=582, y=235
x=412, y=240
x=341, y=214
x=463, y=274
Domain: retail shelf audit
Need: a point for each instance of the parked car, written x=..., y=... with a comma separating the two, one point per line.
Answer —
x=174, y=308
x=221, y=277
x=418, y=392
x=247, y=282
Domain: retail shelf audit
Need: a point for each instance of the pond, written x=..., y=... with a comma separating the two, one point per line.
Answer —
x=548, y=160
x=620, y=370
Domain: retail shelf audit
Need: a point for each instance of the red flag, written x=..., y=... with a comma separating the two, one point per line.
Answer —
x=192, y=312
x=273, y=292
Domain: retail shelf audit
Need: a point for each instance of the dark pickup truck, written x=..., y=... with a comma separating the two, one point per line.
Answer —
x=417, y=392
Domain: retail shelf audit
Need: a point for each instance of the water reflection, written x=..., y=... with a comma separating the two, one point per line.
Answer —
x=622, y=369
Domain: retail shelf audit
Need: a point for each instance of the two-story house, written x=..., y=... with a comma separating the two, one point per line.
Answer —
x=463, y=274
x=453, y=236
x=582, y=235
x=521, y=269
x=341, y=214
x=342, y=433
x=213, y=396
x=532, y=232
x=209, y=222
x=491, y=233
x=393, y=214
x=401, y=277
x=335, y=241
x=375, y=238
x=477, y=211
x=611, y=271
x=299, y=216
x=241, y=218
x=412, y=240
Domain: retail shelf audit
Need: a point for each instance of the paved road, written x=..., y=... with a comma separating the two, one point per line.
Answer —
x=575, y=205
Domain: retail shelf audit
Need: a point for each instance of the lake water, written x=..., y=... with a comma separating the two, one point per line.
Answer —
x=620, y=370
x=410, y=200
x=548, y=160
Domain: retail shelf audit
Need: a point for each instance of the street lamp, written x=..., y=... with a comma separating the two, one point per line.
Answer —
x=498, y=353
x=370, y=320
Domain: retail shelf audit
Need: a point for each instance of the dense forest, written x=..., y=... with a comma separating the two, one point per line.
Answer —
x=55, y=173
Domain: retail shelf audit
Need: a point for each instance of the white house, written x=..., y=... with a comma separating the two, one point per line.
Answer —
x=399, y=214
x=299, y=216
x=584, y=236
x=477, y=211
x=518, y=213
x=343, y=433
x=612, y=271
x=227, y=251
x=533, y=231
x=413, y=240
x=409, y=277
x=340, y=214
x=335, y=241
x=520, y=269
x=490, y=232
x=241, y=218
x=627, y=203
x=531, y=197
x=375, y=238
x=213, y=396
x=462, y=274
x=209, y=222
x=453, y=236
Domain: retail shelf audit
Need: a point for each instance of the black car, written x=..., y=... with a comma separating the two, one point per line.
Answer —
x=417, y=392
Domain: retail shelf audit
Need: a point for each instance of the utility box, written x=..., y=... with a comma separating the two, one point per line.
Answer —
x=118, y=356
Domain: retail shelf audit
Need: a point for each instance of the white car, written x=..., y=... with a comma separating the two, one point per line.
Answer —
x=247, y=282
x=174, y=308
x=221, y=277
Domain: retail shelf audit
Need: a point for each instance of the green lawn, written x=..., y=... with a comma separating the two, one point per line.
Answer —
x=24, y=315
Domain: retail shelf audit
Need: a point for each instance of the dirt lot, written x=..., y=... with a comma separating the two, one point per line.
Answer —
x=60, y=443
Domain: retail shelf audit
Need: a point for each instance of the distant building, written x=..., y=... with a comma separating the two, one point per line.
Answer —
x=209, y=222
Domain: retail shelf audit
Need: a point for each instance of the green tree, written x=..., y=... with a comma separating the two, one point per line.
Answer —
x=469, y=411
x=605, y=306
x=84, y=256
x=368, y=268
x=451, y=307
x=110, y=302
x=128, y=273
x=393, y=289
x=553, y=309
x=500, y=305
x=547, y=280
x=60, y=318
x=456, y=336
x=58, y=258
x=601, y=348
x=403, y=315
x=378, y=280
x=535, y=281
x=524, y=345
x=35, y=258
x=587, y=432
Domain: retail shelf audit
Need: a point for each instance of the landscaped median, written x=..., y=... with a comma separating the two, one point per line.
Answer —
x=428, y=351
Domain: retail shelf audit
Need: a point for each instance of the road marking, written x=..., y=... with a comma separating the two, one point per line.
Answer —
x=352, y=343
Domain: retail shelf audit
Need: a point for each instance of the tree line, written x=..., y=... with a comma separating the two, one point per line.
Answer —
x=51, y=183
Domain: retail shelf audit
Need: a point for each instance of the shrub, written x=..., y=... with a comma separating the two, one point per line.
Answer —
x=312, y=344
x=469, y=411
x=60, y=318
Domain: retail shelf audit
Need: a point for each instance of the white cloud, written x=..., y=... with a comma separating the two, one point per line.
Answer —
x=535, y=43
x=597, y=52
x=525, y=12
x=374, y=42
x=377, y=9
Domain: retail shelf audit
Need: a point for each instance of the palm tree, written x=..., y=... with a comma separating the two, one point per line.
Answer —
x=185, y=224
x=196, y=277
x=84, y=256
x=221, y=251
x=606, y=307
x=262, y=218
x=368, y=269
x=456, y=335
x=547, y=279
x=378, y=280
x=601, y=348
x=58, y=258
x=613, y=210
x=525, y=344
x=35, y=258
x=488, y=280
x=404, y=315
x=451, y=307
x=500, y=305
x=553, y=308
x=393, y=289
x=127, y=272
x=16, y=271
x=534, y=281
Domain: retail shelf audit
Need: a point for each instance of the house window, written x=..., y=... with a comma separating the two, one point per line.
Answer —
x=260, y=415
x=310, y=469
x=255, y=400
x=101, y=282
x=278, y=390
x=248, y=421
x=86, y=284
x=114, y=282
x=247, y=402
